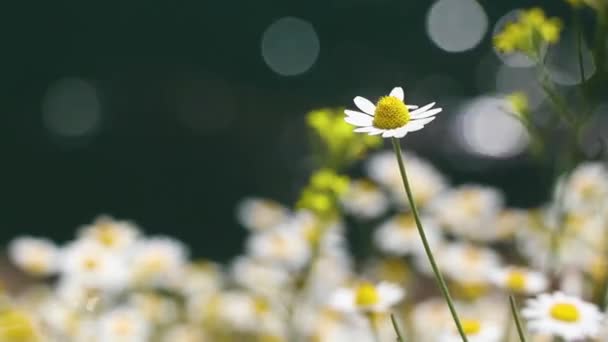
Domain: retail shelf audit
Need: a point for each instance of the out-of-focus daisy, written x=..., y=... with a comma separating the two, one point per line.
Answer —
x=364, y=199
x=155, y=308
x=199, y=276
x=467, y=263
x=399, y=235
x=507, y=223
x=115, y=235
x=366, y=297
x=562, y=316
x=260, y=214
x=35, y=256
x=243, y=312
x=156, y=260
x=184, y=333
x=90, y=264
x=123, y=324
x=429, y=319
x=477, y=330
x=519, y=280
x=426, y=181
x=258, y=277
x=390, y=117
x=283, y=246
x=587, y=188
x=469, y=211
x=393, y=270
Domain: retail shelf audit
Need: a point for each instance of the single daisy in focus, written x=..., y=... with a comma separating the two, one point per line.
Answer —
x=519, y=280
x=366, y=297
x=35, y=256
x=562, y=316
x=390, y=117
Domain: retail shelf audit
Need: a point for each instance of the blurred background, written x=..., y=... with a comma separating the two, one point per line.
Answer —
x=168, y=113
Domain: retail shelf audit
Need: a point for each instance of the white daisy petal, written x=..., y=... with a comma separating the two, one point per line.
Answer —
x=422, y=109
x=397, y=92
x=365, y=105
x=358, y=121
x=411, y=106
x=376, y=131
x=389, y=133
x=426, y=114
x=358, y=115
x=353, y=113
x=423, y=121
x=365, y=129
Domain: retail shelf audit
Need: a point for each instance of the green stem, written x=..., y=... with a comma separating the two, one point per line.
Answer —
x=443, y=287
x=397, y=330
x=520, y=330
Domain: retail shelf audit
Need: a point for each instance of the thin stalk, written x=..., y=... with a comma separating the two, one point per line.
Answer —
x=442, y=286
x=397, y=330
x=520, y=330
x=579, y=46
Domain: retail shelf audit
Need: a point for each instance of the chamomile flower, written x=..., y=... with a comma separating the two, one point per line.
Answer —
x=519, y=280
x=35, y=256
x=467, y=263
x=399, y=235
x=123, y=324
x=562, y=316
x=426, y=181
x=390, y=117
x=260, y=214
x=476, y=330
x=429, y=319
x=364, y=199
x=156, y=261
x=155, y=308
x=283, y=246
x=366, y=297
x=93, y=266
x=469, y=211
x=114, y=235
x=258, y=277
x=184, y=333
x=587, y=188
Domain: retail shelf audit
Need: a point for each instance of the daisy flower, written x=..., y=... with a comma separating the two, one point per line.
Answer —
x=468, y=264
x=156, y=261
x=35, y=256
x=366, y=297
x=116, y=236
x=476, y=331
x=258, y=214
x=123, y=324
x=519, y=280
x=364, y=200
x=399, y=235
x=564, y=316
x=390, y=117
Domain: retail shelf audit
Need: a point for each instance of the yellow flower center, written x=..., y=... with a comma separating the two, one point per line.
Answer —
x=391, y=113
x=366, y=295
x=471, y=326
x=107, y=235
x=90, y=264
x=565, y=312
x=516, y=280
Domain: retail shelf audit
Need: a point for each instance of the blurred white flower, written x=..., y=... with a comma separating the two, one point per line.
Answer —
x=562, y=316
x=156, y=261
x=184, y=333
x=92, y=265
x=476, y=330
x=519, y=280
x=35, y=256
x=364, y=200
x=390, y=117
x=123, y=324
x=117, y=236
x=199, y=276
x=260, y=214
x=283, y=246
x=426, y=181
x=399, y=235
x=586, y=189
x=259, y=278
x=246, y=313
x=429, y=319
x=155, y=308
x=366, y=297
x=469, y=211
x=468, y=264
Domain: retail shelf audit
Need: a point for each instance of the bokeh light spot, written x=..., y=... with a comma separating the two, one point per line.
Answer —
x=71, y=108
x=486, y=129
x=290, y=46
x=456, y=25
x=563, y=61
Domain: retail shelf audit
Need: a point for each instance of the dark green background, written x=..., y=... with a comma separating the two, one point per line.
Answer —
x=146, y=166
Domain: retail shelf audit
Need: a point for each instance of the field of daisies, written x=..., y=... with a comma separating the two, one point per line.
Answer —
x=379, y=246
